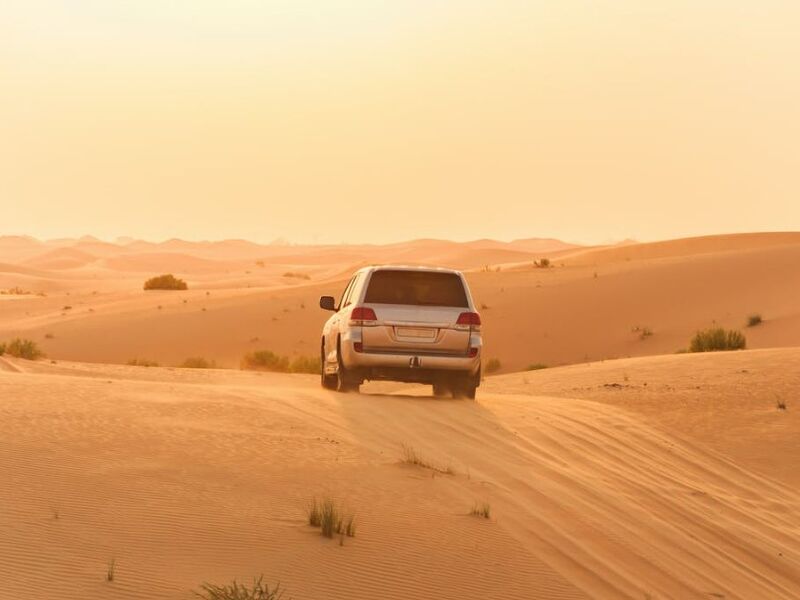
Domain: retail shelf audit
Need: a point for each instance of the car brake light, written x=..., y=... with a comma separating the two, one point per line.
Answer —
x=469, y=318
x=473, y=352
x=363, y=315
x=358, y=346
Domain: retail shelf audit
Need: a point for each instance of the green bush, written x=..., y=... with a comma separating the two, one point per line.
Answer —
x=493, y=365
x=21, y=348
x=197, y=362
x=165, y=282
x=717, y=338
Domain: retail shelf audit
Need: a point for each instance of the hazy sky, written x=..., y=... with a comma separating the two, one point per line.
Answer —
x=349, y=120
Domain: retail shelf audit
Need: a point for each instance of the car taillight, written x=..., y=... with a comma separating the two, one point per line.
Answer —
x=468, y=319
x=363, y=315
x=473, y=352
x=358, y=346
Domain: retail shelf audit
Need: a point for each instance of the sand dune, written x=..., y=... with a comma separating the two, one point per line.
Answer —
x=683, y=247
x=187, y=476
x=561, y=315
x=667, y=476
x=62, y=258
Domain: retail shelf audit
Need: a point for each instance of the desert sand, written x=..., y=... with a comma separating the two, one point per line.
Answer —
x=184, y=476
x=592, y=304
x=623, y=471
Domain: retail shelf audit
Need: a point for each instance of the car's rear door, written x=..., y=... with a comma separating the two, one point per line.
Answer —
x=417, y=312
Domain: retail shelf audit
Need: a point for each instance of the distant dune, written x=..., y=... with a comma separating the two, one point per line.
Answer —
x=683, y=247
x=591, y=304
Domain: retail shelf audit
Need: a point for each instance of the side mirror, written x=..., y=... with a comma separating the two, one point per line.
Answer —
x=327, y=303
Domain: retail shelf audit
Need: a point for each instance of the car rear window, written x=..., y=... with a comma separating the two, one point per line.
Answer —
x=418, y=288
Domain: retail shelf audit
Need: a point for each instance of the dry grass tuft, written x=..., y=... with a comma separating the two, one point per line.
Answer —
x=294, y=275
x=266, y=360
x=717, y=338
x=22, y=348
x=142, y=362
x=330, y=518
x=197, y=362
x=238, y=591
x=412, y=457
x=481, y=510
x=754, y=320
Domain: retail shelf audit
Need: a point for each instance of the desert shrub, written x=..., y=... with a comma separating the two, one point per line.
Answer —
x=535, y=366
x=22, y=348
x=481, y=510
x=542, y=263
x=493, y=365
x=142, y=362
x=314, y=513
x=294, y=275
x=165, y=282
x=197, y=362
x=717, y=338
x=238, y=591
x=754, y=320
x=330, y=518
x=412, y=457
x=306, y=364
x=265, y=360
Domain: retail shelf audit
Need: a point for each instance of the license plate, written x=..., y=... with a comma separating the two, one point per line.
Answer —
x=416, y=332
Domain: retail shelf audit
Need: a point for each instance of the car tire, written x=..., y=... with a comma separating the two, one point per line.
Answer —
x=344, y=380
x=465, y=391
x=328, y=381
x=467, y=386
x=440, y=390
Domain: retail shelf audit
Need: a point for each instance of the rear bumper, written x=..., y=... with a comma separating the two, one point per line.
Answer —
x=408, y=366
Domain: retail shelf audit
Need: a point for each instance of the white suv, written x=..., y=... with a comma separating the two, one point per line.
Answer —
x=410, y=324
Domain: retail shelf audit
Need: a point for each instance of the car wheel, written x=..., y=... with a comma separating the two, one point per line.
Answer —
x=328, y=381
x=468, y=391
x=441, y=389
x=344, y=380
x=467, y=386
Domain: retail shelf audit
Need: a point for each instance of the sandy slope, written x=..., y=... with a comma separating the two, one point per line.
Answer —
x=727, y=400
x=185, y=476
